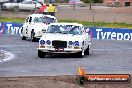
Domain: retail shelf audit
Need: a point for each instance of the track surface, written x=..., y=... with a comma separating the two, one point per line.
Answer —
x=107, y=56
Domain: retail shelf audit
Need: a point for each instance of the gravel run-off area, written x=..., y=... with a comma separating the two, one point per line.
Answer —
x=54, y=82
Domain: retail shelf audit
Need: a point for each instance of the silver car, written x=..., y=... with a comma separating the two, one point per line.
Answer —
x=25, y=5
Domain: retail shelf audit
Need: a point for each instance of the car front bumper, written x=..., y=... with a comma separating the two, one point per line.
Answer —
x=53, y=50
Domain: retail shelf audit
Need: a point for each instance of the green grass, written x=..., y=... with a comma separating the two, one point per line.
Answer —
x=17, y=20
x=96, y=24
x=100, y=24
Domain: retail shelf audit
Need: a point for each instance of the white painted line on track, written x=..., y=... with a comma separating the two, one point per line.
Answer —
x=7, y=56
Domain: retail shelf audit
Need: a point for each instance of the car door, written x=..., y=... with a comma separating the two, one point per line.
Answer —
x=86, y=36
x=26, y=27
x=23, y=5
x=29, y=27
x=31, y=5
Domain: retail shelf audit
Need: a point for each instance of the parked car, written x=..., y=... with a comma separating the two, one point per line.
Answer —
x=25, y=5
x=2, y=1
x=64, y=38
x=35, y=25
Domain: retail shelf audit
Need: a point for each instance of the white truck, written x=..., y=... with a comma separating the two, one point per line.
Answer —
x=35, y=25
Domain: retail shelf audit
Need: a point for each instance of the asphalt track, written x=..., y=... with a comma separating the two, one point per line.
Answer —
x=106, y=56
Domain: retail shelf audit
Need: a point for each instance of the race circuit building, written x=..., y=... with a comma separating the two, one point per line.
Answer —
x=118, y=2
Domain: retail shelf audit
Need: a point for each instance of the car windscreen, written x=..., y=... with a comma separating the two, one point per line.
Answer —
x=65, y=29
x=35, y=2
x=44, y=20
x=48, y=20
x=25, y=2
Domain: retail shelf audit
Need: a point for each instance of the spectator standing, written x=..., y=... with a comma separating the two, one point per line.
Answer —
x=43, y=9
x=51, y=10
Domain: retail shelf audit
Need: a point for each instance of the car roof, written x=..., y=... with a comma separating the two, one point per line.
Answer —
x=50, y=16
x=35, y=15
x=41, y=15
x=74, y=24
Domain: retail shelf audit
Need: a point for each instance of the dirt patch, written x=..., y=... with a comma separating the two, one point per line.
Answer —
x=53, y=82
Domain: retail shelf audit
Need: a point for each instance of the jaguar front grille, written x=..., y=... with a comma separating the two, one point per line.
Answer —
x=59, y=44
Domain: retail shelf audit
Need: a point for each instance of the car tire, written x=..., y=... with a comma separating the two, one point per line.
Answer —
x=15, y=9
x=32, y=36
x=23, y=38
x=80, y=80
x=79, y=54
x=41, y=54
x=86, y=52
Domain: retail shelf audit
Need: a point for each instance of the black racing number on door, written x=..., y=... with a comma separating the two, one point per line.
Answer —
x=27, y=30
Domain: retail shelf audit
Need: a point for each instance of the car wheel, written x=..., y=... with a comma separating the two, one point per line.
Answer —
x=80, y=80
x=23, y=38
x=41, y=54
x=15, y=9
x=79, y=54
x=86, y=52
x=32, y=36
x=4, y=7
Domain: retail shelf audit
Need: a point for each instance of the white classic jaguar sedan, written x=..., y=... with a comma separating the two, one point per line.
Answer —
x=64, y=38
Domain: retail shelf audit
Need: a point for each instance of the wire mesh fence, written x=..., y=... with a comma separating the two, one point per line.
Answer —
x=121, y=14
x=67, y=12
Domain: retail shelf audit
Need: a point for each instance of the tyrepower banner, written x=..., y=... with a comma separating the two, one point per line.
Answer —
x=111, y=33
x=95, y=32
x=10, y=28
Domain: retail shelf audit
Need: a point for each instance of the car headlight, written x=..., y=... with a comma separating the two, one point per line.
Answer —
x=43, y=30
x=48, y=42
x=70, y=43
x=42, y=42
x=76, y=43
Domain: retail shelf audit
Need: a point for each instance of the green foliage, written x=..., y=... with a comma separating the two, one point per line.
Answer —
x=17, y=20
x=92, y=1
x=100, y=24
x=96, y=24
x=98, y=1
x=87, y=1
